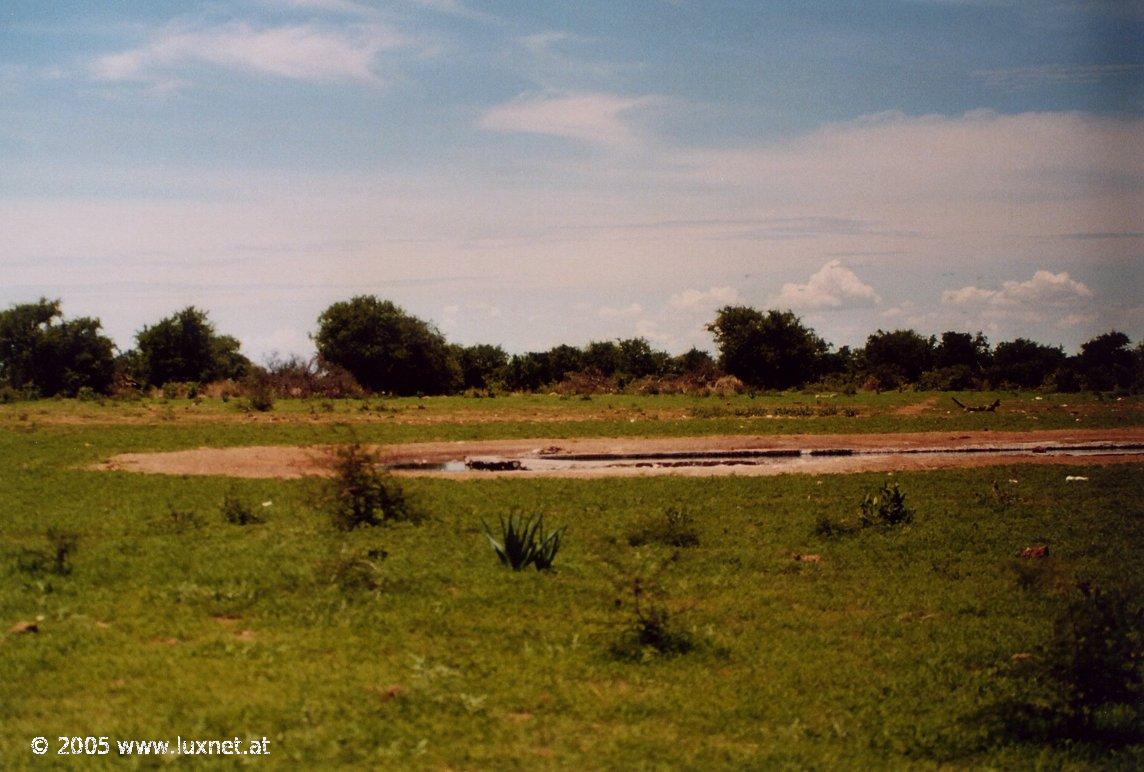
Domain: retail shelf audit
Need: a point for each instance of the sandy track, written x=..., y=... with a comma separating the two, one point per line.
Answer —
x=285, y=462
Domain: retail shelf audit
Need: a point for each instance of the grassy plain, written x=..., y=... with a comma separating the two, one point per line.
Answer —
x=894, y=649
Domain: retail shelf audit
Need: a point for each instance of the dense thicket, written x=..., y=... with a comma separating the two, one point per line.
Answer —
x=771, y=350
x=385, y=348
x=184, y=347
x=369, y=344
x=41, y=353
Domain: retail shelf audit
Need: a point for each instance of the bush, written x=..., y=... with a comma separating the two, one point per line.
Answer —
x=364, y=495
x=385, y=348
x=827, y=528
x=184, y=348
x=259, y=393
x=1097, y=653
x=672, y=528
x=1087, y=684
x=357, y=570
x=886, y=507
x=650, y=627
x=237, y=512
x=55, y=558
x=524, y=542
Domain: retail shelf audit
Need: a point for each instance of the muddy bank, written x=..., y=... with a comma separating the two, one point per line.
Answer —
x=689, y=456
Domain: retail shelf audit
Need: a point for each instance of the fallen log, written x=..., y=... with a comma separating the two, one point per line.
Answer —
x=977, y=408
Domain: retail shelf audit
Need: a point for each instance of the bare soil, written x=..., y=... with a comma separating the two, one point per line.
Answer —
x=286, y=462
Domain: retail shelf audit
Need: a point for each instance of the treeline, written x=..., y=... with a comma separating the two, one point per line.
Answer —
x=369, y=345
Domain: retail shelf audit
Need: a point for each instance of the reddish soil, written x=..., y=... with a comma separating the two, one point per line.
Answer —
x=297, y=461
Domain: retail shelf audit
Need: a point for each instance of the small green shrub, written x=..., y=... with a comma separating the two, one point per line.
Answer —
x=55, y=558
x=183, y=518
x=362, y=494
x=524, y=542
x=238, y=512
x=996, y=498
x=356, y=570
x=650, y=629
x=1087, y=683
x=673, y=527
x=261, y=399
x=885, y=507
x=1097, y=653
x=828, y=528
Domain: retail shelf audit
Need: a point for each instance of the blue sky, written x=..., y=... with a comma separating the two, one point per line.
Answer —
x=534, y=173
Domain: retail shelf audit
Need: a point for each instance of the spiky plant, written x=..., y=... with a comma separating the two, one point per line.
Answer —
x=524, y=542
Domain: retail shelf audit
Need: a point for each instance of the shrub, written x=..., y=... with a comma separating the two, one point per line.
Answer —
x=237, y=512
x=55, y=558
x=183, y=518
x=673, y=527
x=827, y=528
x=357, y=570
x=650, y=628
x=524, y=542
x=886, y=507
x=1087, y=684
x=260, y=395
x=364, y=495
x=1097, y=653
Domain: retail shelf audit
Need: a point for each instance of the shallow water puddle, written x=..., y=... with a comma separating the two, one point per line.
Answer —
x=777, y=460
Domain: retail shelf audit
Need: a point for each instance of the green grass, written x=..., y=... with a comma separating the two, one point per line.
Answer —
x=889, y=652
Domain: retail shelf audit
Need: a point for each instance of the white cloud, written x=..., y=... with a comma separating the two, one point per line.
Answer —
x=1020, y=78
x=451, y=7
x=832, y=286
x=705, y=301
x=978, y=172
x=332, y=6
x=586, y=116
x=628, y=312
x=1046, y=297
x=298, y=52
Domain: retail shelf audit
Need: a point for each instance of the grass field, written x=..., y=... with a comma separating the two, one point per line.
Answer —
x=410, y=645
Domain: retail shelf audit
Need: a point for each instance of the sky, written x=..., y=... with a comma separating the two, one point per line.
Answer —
x=535, y=173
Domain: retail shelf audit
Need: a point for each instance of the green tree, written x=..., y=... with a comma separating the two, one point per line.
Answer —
x=639, y=360
x=897, y=357
x=1106, y=362
x=184, y=347
x=1024, y=363
x=772, y=350
x=960, y=349
x=481, y=365
x=385, y=348
x=40, y=350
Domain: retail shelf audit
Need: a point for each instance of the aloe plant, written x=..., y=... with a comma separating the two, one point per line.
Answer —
x=523, y=542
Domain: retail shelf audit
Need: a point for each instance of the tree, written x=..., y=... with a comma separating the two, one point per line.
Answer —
x=480, y=365
x=1024, y=363
x=184, y=347
x=897, y=357
x=41, y=351
x=960, y=349
x=604, y=357
x=696, y=363
x=385, y=348
x=639, y=360
x=1106, y=362
x=772, y=350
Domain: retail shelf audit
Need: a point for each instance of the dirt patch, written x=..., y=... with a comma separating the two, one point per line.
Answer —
x=918, y=408
x=287, y=462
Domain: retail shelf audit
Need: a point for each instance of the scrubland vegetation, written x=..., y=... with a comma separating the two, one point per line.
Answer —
x=369, y=346
x=708, y=622
x=987, y=617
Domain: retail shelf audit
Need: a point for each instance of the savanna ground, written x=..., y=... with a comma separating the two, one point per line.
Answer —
x=410, y=645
